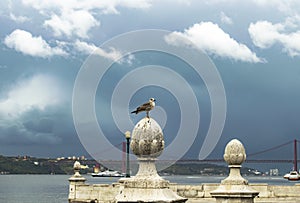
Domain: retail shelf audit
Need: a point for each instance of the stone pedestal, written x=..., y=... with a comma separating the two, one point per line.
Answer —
x=75, y=180
x=234, y=189
x=147, y=144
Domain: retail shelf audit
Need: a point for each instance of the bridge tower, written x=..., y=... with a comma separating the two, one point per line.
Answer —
x=295, y=156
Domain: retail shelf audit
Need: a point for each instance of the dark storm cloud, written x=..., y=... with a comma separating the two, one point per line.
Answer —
x=22, y=131
x=263, y=104
x=41, y=133
x=19, y=135
x=44, y=125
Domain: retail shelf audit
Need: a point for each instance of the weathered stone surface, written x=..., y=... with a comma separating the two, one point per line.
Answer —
x=268, y=193
x=234, y=153
x=234, y=188
x=75, y=181
x=147, y=139
x=147, y=186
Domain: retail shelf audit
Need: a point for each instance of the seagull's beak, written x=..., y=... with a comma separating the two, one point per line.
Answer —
x=154, y=100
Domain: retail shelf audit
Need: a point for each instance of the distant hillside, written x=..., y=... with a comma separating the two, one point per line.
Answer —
x=204, y=169
x=32, y=165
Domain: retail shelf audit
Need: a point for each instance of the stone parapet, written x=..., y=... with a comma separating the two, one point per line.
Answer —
x=148, y=186
x=95, y=193
x=194, y=193
x=145, y=183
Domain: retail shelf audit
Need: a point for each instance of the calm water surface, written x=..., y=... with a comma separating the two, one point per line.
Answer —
x=54, y=188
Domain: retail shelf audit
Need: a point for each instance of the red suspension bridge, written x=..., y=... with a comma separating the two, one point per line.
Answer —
x=250, y=156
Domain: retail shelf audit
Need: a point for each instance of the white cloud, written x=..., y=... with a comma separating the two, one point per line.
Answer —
x=19, y=19
x=265, y=34
x=25, y=43
x=210, y=38
x=86, y=48
x=290, y=7
x=225, y=19
x=77, y=17
x=70, y=23
x=38, y=92
x=112, y=54
x=108, y=6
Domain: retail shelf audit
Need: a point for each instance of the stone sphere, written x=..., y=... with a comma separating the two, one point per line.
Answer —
x=234, y=153
x=147, y=139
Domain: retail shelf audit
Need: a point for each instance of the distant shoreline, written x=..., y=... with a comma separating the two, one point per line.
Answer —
x=53, y=166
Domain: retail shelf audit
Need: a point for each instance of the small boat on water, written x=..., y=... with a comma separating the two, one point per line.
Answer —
x=293, y=175
x=108, y=173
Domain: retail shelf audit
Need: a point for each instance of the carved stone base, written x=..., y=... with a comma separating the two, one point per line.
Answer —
x=142, y=190
x=234, y=200
x=234, y=193
x=146, y=186
x=234, y=188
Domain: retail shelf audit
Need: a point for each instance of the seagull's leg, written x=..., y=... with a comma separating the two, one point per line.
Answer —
x=148, y=116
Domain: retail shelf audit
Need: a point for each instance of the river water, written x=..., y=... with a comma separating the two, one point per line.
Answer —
x=54, y=188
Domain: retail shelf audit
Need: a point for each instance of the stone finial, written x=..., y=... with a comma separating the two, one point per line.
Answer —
x=77, y=167
x=234, y=153
x=147, y=139
x=147, y=143
x=77, y=178
x=234, y=188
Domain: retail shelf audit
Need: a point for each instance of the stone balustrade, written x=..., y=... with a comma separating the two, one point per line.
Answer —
x=148, y=186
x=195, y=193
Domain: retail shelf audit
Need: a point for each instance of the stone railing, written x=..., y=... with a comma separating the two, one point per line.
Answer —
x=267, y=193
x=194, y=193
x=147, y=186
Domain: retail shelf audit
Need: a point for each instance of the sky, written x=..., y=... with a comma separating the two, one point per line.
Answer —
x=254, y=47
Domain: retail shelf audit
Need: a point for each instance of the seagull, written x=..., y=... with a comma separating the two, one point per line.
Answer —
x=145, y=107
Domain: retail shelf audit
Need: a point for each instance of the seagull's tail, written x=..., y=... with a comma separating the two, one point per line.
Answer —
x=135, y=112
